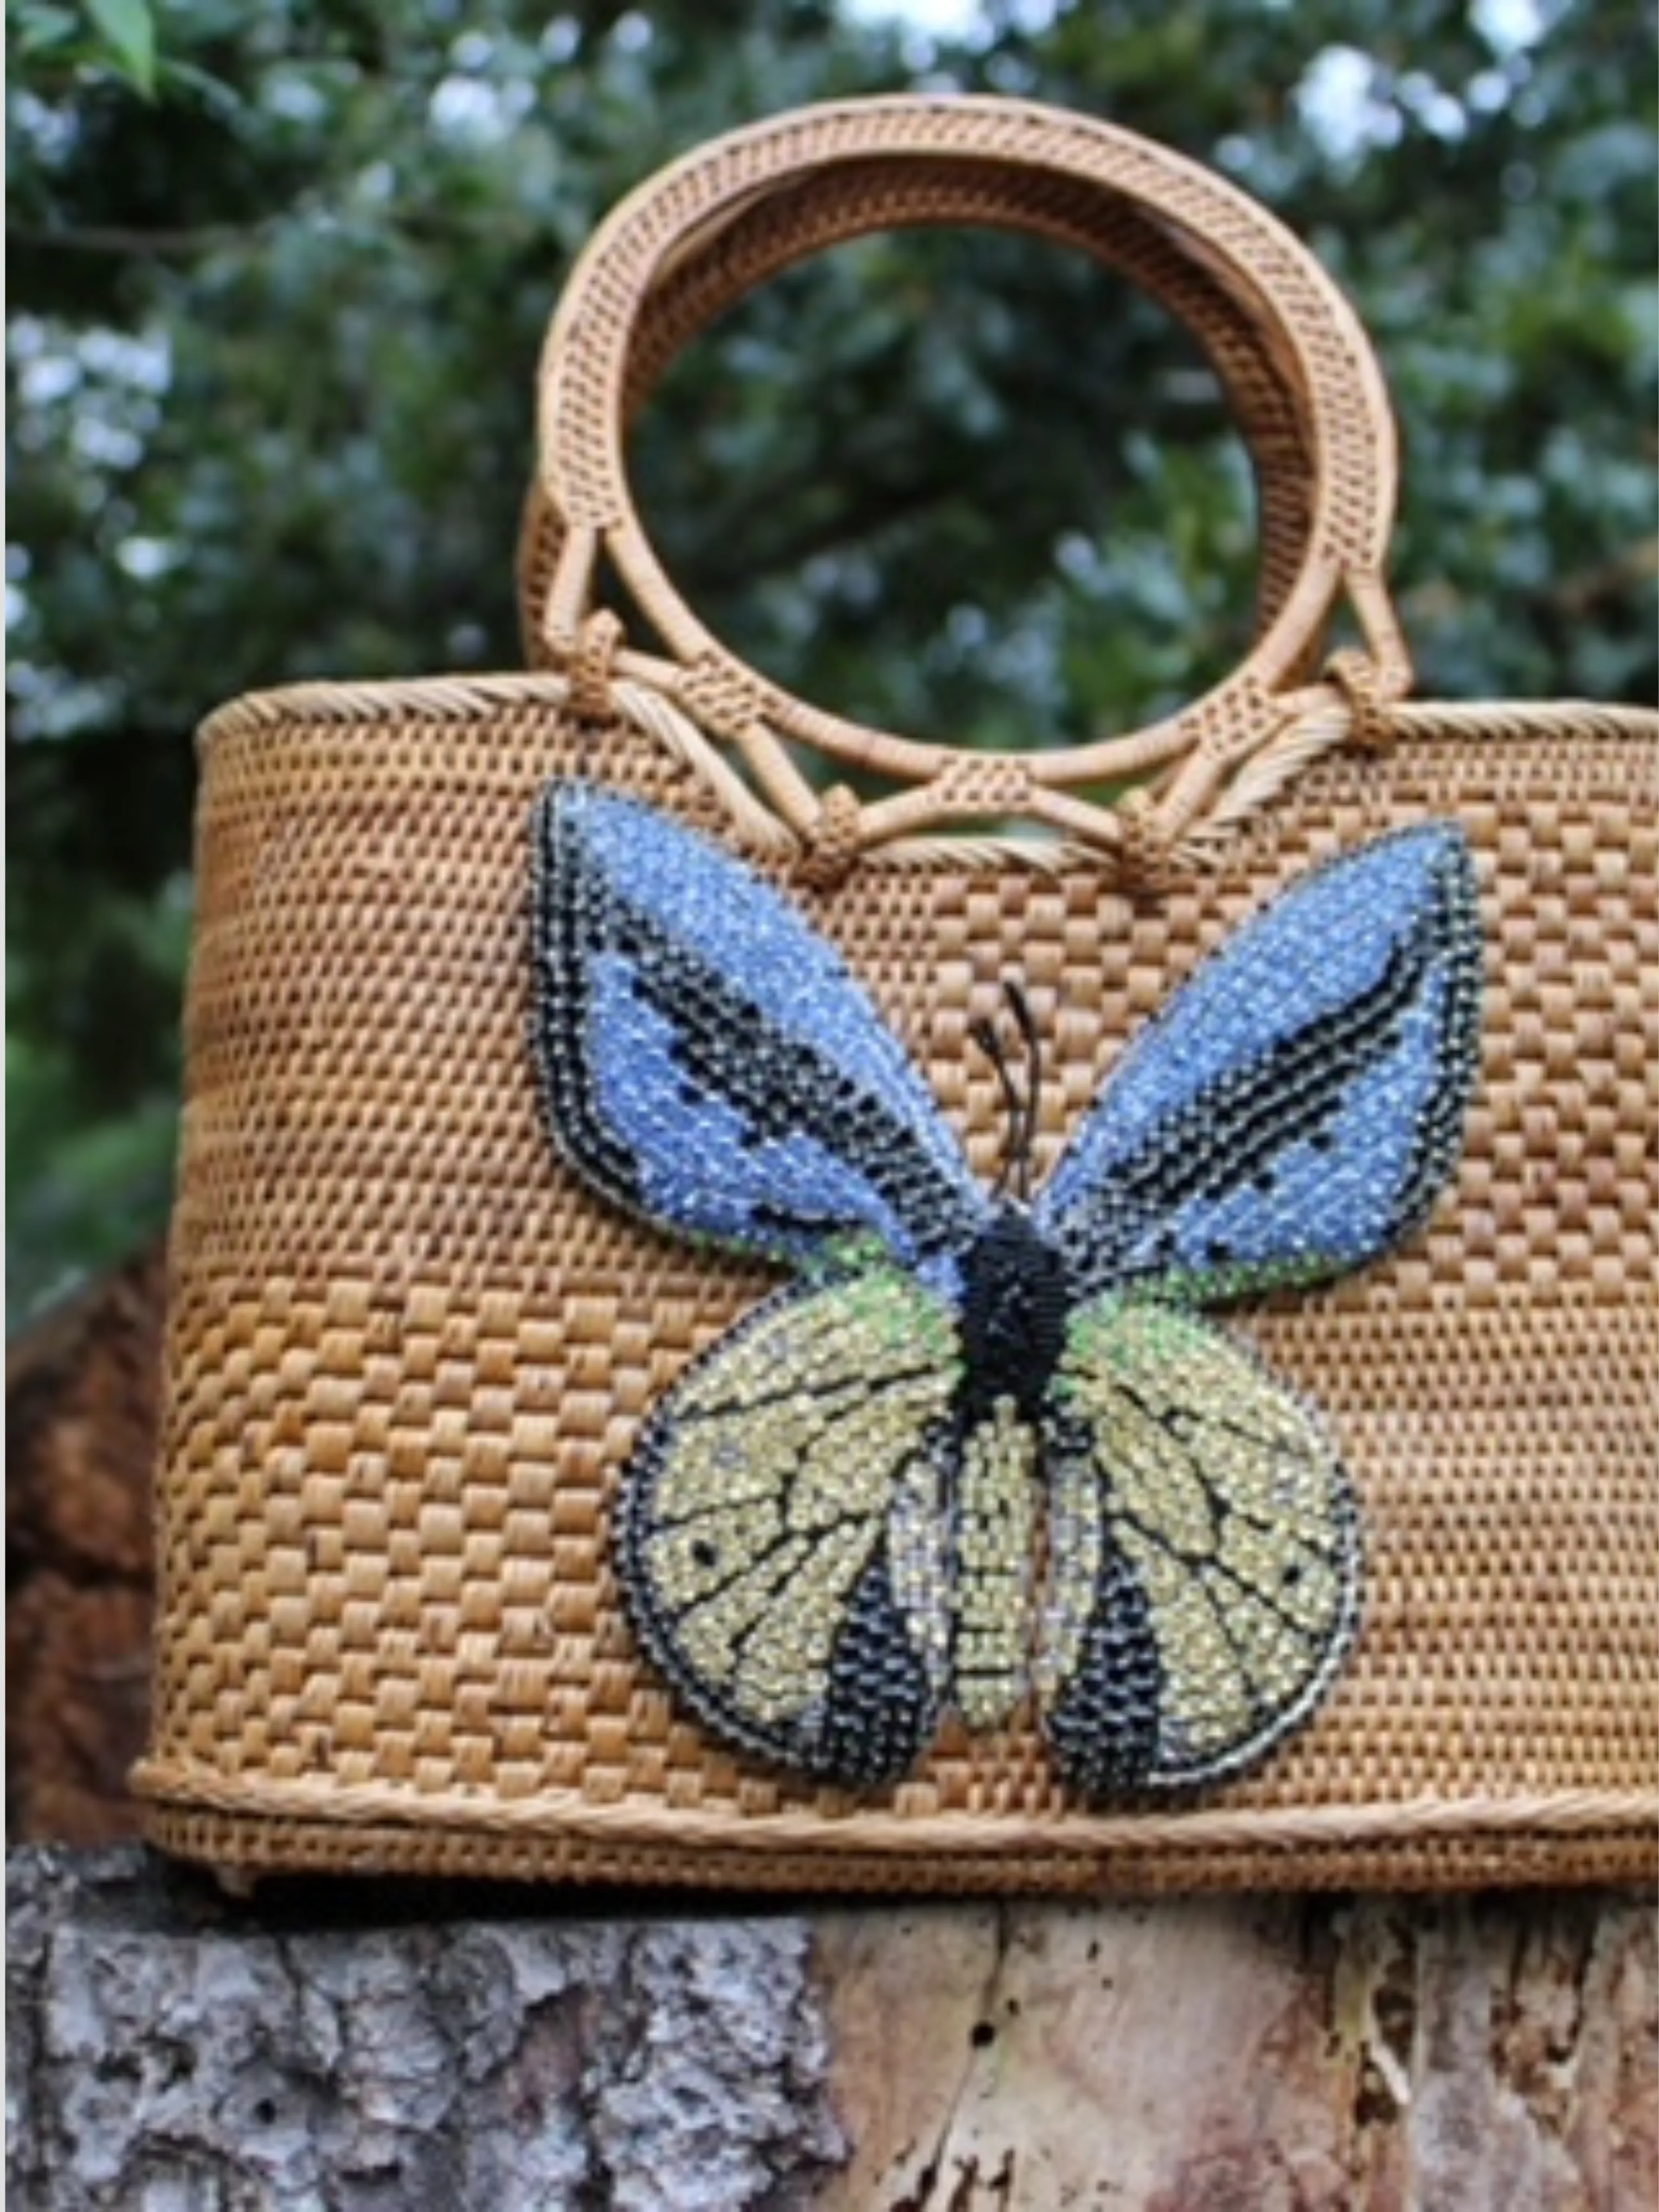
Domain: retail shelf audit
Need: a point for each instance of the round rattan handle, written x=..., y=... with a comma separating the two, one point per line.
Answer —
x=826, y=208
x=1308, y=332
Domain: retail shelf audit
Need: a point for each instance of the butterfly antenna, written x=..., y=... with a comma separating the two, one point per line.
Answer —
x=1022, y=1138
x=984, y=1035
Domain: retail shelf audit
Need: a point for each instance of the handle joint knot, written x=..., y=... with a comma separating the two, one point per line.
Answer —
x=832, y=841
x=591, y=670
x=1371, y=728
x=1147, y=854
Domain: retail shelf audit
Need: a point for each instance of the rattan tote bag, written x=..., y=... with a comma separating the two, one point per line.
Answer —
x=757, y=1302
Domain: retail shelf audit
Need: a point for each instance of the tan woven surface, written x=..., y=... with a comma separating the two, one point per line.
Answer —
x=408, y=1354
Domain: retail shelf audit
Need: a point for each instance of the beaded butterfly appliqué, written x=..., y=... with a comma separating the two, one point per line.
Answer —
x=983, y=1449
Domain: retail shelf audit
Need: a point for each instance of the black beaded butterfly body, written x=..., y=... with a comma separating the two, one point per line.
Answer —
x=827, y=1537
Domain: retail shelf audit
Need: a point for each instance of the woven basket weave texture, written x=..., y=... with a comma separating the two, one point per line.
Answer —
x=409, y=1353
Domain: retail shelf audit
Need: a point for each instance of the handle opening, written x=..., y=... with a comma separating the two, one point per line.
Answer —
x=877, y=492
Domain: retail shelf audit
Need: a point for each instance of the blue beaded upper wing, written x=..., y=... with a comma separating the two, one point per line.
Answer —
x=1295, y=1107
x=708, y=1060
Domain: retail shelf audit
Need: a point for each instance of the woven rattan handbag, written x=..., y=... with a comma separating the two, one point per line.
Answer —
x=435, y=1401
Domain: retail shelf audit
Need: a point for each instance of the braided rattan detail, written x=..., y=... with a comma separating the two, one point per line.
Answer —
x=1202, y=1830
x=1325, y=720
x=252, y=1844
x=409, y=1355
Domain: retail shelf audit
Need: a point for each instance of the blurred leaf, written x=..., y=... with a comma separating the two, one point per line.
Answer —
x=37, y=30
x=129, y=31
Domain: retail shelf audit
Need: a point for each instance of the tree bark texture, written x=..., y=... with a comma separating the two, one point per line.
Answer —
x=83, y=1406
x=370, y=2048
x=170, y=2052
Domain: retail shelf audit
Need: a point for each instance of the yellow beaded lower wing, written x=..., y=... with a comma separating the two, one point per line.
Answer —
x=783, y=1529
x=1205, y=1549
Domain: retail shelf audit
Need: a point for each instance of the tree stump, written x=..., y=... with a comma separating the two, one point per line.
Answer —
x=376, y=2048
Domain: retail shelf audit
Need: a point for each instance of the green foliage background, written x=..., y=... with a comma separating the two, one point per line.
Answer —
x=279, y=275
